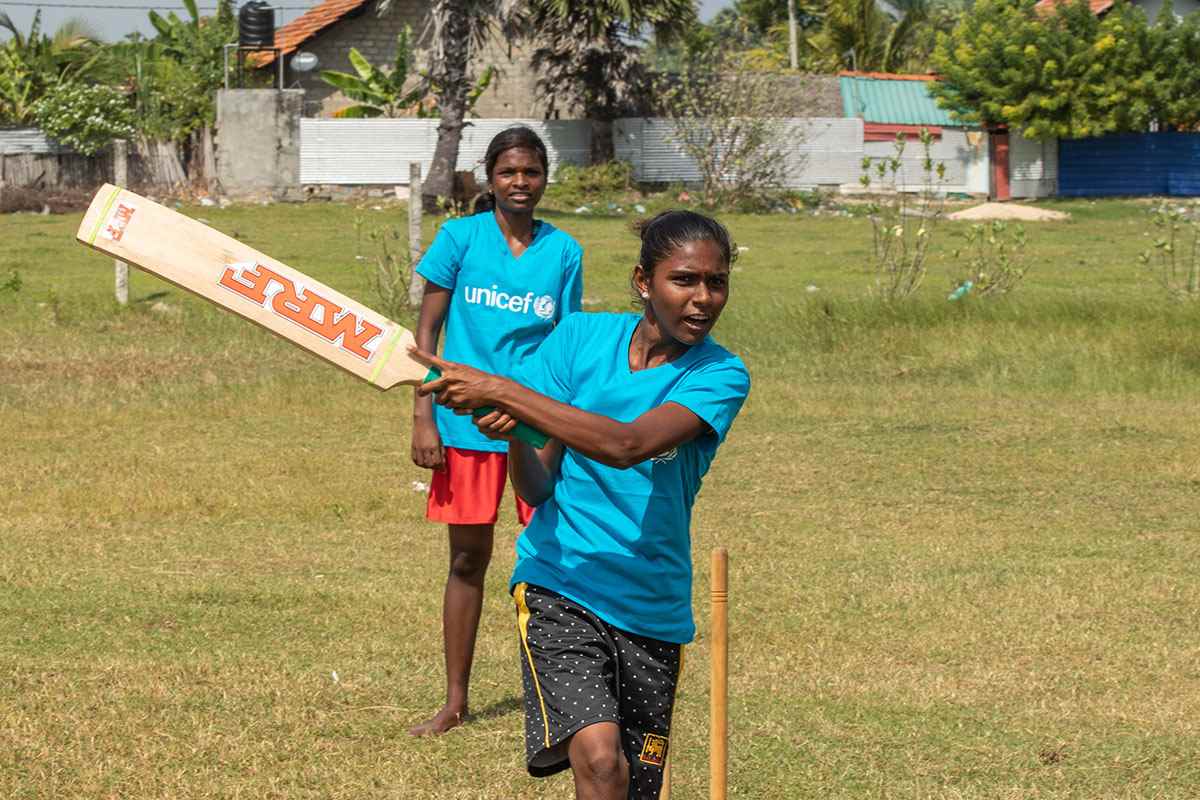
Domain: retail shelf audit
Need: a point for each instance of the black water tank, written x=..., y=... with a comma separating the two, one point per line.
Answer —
x=256, y=25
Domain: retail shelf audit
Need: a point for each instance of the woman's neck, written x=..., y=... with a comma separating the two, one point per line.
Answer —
x=516, y=226
x=650, y=346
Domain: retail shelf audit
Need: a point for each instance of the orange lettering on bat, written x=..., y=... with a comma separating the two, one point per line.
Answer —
x=266, y=288
x=118, y=222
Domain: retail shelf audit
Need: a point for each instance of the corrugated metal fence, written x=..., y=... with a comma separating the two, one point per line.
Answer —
x=27, y=140
x=826, y=151
x=1131, y=164
x=378, y=151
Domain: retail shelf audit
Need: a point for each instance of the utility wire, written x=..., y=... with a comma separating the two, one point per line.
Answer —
x=137, y=8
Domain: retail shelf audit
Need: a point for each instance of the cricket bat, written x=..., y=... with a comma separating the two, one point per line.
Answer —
x=258, y=288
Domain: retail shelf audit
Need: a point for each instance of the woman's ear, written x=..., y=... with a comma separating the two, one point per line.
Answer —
x=642, y=281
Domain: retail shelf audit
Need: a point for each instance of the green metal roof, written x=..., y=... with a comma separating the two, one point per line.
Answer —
x=894, y=101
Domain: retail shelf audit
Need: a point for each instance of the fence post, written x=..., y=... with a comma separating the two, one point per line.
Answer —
x=209, y=159
x=416, y=284
x=120, y=178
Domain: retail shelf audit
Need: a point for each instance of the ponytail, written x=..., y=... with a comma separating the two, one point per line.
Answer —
x=485, y=202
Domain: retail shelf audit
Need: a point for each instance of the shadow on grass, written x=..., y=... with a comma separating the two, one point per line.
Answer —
x=151, y=298
x=500, y=708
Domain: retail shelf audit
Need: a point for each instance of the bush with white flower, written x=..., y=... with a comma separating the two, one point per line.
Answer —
x=83, y=117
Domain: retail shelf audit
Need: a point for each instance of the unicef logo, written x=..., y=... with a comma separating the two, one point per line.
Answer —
x=544, y=307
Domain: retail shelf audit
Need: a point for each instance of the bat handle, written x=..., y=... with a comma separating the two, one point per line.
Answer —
x=527, y=434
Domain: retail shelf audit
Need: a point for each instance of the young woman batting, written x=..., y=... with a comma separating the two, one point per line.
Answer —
x=636, y=405
x=499, y=280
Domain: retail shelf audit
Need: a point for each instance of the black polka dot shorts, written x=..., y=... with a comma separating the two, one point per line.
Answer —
x=579, y=670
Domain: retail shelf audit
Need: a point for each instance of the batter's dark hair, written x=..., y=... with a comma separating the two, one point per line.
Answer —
x=517, y=136
x=665, y=233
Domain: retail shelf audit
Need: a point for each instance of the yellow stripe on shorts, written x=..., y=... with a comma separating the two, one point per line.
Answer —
x=523, y=626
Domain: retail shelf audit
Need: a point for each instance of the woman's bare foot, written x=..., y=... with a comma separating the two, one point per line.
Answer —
x=446, y=719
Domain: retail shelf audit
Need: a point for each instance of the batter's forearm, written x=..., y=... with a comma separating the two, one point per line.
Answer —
x=600, y=438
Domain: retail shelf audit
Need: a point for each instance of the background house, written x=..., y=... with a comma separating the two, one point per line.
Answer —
x=889, y=104
x=1152, y=7
x=330, y=29
x=996, y=163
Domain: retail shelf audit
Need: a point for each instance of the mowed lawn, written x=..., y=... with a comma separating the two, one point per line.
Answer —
x=963, y=536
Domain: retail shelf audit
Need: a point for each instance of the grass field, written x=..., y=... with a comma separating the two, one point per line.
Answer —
x=963, y=536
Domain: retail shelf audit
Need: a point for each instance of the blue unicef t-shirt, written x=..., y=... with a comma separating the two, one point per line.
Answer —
x=618, y=541
x=501, y=307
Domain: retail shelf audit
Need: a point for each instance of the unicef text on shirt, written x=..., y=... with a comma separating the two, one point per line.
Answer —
x=542, y=306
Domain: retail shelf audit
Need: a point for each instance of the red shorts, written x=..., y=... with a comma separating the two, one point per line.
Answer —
x=468, y=491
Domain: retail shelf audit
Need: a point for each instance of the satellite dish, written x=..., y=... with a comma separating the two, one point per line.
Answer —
x=305, y=61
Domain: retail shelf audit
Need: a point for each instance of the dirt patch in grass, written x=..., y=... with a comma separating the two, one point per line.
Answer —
x=1011, y=211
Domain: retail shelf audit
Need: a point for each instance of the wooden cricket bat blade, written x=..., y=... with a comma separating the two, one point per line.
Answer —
x=252, y=285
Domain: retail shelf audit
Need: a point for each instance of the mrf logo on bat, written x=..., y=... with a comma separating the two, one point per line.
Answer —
x=266, y=288
x=118, y=222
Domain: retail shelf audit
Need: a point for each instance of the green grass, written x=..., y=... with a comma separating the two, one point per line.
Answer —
x=962, y=535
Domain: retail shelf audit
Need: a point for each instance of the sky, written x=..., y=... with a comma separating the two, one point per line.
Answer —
x=113, y=19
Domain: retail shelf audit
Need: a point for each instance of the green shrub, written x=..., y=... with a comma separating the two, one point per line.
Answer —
x=85, y=118
x=577, y=185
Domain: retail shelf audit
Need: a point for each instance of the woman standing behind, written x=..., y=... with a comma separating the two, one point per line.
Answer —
x=637, y=405
x=499, y=280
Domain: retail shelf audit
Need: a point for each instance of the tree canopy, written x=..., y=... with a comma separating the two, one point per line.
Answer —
x=1069, y=73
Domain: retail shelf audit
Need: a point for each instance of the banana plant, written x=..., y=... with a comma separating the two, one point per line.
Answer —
x=33, y=63
x=378, y=92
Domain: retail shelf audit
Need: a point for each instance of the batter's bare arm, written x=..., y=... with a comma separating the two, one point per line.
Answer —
x=609, y=441
x=600, y=438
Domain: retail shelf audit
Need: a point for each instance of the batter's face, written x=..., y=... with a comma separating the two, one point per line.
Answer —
x=686, y=291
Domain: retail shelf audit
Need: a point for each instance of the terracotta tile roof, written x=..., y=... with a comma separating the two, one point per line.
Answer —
x=1047, y=6
x=304, y=27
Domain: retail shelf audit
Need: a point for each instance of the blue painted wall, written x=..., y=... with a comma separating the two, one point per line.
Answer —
x=1130, y=164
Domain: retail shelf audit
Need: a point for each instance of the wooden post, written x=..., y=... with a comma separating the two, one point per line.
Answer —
x=209, y=158
x=718, y=756
x=120, y=178
x=416, y=284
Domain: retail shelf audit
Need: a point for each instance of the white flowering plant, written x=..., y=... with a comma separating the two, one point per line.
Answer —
x=85, y=117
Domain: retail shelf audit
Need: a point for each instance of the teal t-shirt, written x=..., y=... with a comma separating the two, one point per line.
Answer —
x=501, y=307
x=618, y=541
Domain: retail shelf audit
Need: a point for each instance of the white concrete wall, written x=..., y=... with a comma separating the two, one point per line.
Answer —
x=258, y=139
x=821, y=151
x=964, y=153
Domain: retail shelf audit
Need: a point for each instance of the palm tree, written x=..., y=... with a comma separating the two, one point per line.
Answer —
x=32, y=63
x=458, y=30
x=587, y=55
x=861, y=35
